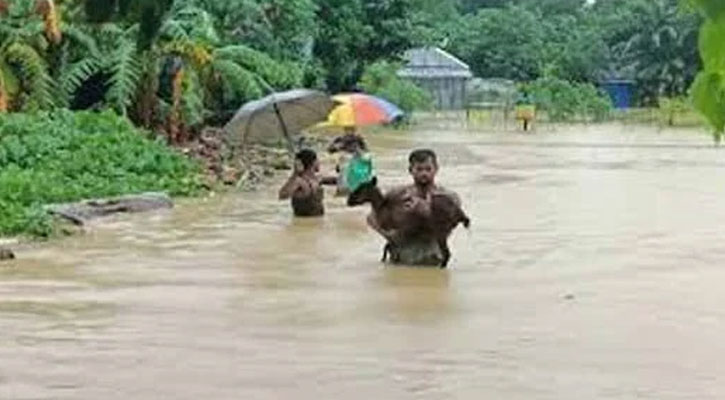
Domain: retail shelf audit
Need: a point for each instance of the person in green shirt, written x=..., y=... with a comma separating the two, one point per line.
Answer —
x=525, y=109
x=355, y=164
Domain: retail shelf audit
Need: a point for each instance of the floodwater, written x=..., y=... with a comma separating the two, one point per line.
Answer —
x=594, y=270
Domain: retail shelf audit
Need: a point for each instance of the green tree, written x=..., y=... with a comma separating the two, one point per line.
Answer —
x=42, y=61
x=380, y=79
x=473, y=6
x=651, y=41
x=434, y=20
x=502, y=42
x=555, y=7
x=282, y=28
x=574, y=48
x=186, y=75
x=354, y=33
x=660, y=49
x=709, y=87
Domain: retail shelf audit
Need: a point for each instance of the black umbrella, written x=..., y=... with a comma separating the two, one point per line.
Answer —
x=280, y=114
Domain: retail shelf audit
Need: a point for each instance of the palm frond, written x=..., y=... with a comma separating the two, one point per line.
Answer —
x=34, y=74
x=110, y=29
x=125, y=76
x=239, y=84
x=174, y=30
x=11, y=82
x=79, y=36
x=74, y=75
x=28, y=31
x=196, y=23
x=192, y=100
x=21, y=8
x=276, y=73
x=195, y=53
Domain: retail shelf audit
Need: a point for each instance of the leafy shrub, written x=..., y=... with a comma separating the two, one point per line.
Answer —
x=708, y=89
x=380, y=79
x=566, y=101
x=670, y=108
x=64, y=156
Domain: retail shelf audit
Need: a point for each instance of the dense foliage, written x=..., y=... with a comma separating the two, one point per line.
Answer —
x=380, y=79
x=649, y=41
x=175, y=65
x=564, y=101
x=64, y=156
x=709, y=87
x=356, y=33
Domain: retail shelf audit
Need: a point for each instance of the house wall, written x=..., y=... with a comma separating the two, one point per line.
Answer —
x=447, y=93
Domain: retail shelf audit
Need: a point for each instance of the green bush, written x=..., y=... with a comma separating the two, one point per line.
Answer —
x=565, y=101
x=672, y=108
x=64, y=156
x=380, y=79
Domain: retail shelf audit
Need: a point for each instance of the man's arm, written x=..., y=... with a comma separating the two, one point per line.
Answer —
x=329, y=180
x=289, y=188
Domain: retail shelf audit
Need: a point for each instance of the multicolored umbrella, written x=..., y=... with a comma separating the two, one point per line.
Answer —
x=357, y=109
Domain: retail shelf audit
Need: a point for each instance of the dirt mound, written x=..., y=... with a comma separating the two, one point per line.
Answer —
x=229, y=166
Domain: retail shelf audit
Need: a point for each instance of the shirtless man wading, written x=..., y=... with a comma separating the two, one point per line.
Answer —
x=304, y=187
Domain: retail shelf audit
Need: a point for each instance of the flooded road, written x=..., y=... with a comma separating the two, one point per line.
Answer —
x=594, y=270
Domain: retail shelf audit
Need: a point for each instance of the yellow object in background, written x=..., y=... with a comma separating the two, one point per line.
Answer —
x=525, y=112
x=342, y=115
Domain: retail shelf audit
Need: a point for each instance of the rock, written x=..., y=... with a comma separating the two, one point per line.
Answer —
x=208, y=182
x=81, y=212
x=230, y=175
x=6, y=254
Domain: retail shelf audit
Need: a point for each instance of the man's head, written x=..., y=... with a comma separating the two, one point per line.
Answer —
x=423, y=166
x=349, y=143
x=308, y=159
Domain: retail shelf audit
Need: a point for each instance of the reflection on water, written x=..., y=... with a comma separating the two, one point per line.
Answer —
x=417, y=294
x=591, y=272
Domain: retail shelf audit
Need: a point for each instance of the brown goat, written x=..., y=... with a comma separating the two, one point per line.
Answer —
x=390, y=212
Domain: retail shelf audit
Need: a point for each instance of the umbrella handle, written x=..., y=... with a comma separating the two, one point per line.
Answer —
x=290, y=145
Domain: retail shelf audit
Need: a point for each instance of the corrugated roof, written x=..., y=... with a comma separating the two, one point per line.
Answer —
x=432, y=62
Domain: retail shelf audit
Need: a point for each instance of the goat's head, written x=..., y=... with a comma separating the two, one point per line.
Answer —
x=365, y=193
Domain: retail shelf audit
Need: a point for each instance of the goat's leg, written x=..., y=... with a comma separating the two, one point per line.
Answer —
x=386, y=251
x=445, y=251
x=394, y=252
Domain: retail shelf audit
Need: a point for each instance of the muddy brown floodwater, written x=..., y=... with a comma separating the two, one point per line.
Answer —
x=594, y=270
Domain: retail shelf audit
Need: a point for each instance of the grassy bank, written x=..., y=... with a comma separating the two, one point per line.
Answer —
x=63, y=156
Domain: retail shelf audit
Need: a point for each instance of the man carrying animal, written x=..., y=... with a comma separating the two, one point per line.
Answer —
x=419, y=221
